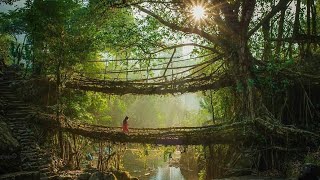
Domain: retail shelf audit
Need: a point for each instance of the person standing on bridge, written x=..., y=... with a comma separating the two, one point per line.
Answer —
x=125, y=128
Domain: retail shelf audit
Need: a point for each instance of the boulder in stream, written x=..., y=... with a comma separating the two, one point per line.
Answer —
x=98, y=176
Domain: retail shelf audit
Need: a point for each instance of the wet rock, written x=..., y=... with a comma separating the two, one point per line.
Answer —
x=110, y=176
x=65, y=178
x=97, y=176
x=123, y=175
x=84, y=176
x=310, y=172
x=32, y=175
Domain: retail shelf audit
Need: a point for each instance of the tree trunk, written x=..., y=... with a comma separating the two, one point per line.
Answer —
x=308, y=50
x=296, y=25
x=212, y=107
x=267, y=46
x=58, y=109
x=100, y=157
x=280, y=34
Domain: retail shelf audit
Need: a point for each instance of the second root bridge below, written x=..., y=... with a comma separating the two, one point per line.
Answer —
x=233, y=133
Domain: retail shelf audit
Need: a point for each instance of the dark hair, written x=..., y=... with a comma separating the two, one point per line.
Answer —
x=126, y=118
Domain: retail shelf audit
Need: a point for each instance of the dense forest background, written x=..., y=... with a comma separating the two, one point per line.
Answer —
x=261, y=57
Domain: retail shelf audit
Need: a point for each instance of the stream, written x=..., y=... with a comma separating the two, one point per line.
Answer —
x=155, y=166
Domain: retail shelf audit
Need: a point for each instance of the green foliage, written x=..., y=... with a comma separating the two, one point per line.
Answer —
x=223, y=102
x=12, y=28
x=250, y=83
x=313, y=158
x=5, y=44
x=202, y=174
x=92, y=107
x=110, y=110
x=13, y=22
x=239, y=87
x=65, y=35
x=270, y=80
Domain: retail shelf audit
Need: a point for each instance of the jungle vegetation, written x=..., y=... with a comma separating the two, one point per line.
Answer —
x=261, y=58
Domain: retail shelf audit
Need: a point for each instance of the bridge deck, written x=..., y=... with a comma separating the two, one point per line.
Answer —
x=219, y=134
x=166, y=136
x=127, y=87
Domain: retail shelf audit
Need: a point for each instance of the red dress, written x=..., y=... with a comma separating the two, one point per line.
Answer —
x=125, y=126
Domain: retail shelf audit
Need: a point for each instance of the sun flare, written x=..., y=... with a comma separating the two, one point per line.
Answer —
x=198, y=12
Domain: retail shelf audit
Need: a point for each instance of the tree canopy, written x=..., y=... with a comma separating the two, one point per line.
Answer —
x=253, y=64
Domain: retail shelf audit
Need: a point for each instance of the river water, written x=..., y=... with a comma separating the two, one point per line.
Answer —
x=167, y=172
x=155, y=166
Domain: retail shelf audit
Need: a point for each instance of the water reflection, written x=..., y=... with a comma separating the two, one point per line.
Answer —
x=168, y=173
x=158, y=164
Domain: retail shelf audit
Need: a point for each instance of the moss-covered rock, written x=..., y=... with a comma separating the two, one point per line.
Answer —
x=101, y=176
x=22, y=175
x=123, y=175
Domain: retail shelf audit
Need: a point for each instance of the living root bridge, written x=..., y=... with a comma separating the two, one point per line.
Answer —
x=218, y=134
x=133, y=87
